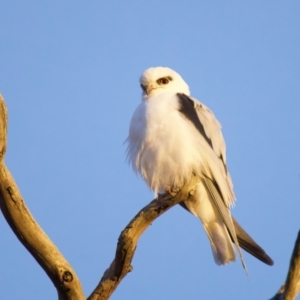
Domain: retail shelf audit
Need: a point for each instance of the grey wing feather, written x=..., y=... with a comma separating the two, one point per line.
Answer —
x=212, y=128
x=225, y=214
x=213, y=132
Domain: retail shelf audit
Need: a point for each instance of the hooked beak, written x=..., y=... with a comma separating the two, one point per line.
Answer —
x=149, y=88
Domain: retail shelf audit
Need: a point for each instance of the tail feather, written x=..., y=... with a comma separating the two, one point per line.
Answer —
x=249, y=245
x=226, y=254
x=221, y=245
x=201, y=206
x=224, y=213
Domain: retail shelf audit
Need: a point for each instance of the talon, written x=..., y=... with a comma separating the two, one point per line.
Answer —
x=172, y=190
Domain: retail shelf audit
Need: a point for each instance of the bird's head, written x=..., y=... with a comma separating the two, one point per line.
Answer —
x=155, y=81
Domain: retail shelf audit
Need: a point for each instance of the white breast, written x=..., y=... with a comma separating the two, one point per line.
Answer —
x=164, y=146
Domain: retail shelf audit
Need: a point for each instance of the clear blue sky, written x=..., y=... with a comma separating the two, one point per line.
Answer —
x=69, y=75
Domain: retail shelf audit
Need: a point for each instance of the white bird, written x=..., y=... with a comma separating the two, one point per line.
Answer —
x=172, y=137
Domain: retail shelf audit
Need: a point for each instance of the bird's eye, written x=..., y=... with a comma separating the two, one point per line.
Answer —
x=163, y=81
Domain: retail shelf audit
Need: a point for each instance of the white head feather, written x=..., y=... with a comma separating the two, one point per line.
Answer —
x=158, y=80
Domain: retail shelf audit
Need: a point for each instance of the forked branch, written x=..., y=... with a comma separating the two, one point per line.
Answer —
x=129, y=237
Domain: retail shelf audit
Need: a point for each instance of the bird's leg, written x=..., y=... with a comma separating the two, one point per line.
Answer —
x=171, y=190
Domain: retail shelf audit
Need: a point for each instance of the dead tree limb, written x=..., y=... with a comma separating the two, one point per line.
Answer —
x=28, y=231
x=129, y=237
x=291, y=288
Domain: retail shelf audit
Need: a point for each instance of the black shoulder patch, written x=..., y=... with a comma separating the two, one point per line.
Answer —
x=187, y=108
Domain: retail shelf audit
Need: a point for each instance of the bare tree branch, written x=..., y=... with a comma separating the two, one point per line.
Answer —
x=27, y=230
x=291, y=288
x=129, y=237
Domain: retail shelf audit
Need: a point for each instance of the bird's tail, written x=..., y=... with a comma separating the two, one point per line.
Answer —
x=217, y=232
x=201, y=206
x=249, y=245
x=221, y=244
x=223, y=212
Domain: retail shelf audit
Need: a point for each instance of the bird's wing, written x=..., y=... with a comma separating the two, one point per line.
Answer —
x=212, y=129
x=208, y=126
